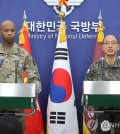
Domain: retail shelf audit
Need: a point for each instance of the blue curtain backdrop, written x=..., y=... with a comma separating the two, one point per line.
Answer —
x=80, y=44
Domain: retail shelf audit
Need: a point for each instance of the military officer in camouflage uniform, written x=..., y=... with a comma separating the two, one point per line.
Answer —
x=107, y=69
x=10, y=52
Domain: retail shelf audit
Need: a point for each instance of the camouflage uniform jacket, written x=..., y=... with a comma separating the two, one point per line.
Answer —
x=105, y=72
x=25, y=62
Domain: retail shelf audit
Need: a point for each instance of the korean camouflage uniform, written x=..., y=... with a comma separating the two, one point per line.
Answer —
x=103, y=72
x=25, y=62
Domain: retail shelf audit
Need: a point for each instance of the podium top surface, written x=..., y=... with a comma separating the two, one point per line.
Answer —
x=17, y=90
x=102, y=87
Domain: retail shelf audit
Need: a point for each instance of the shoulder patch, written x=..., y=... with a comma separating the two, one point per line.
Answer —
x=88, y=71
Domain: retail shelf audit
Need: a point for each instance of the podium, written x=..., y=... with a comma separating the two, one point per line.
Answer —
x=101, y=94
x=18, y=96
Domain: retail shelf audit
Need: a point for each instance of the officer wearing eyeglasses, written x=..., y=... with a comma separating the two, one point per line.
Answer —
x=107, y=69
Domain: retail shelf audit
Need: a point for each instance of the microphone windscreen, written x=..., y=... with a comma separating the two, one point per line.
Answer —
x=16, y=58
x=102, y=58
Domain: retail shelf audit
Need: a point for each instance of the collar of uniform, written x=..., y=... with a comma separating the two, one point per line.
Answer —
x=2, y=49
x=15, y=48
x=116, y=64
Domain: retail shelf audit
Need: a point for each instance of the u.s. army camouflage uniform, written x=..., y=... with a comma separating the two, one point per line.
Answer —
x=25, y=62
x=103, y=72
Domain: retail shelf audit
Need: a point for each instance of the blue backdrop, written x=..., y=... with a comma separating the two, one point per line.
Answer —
x=81, y=25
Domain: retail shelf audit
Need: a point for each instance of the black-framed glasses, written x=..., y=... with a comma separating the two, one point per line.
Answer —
x=113, y=43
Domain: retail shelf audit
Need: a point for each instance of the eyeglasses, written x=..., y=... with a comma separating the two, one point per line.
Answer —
x=110, y=43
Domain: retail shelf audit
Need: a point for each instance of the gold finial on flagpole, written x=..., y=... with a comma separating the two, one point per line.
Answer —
x=61, y=15
x=62, y=28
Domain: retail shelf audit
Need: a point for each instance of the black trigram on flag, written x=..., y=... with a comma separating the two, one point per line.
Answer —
x=57, y=117
x=61, y=54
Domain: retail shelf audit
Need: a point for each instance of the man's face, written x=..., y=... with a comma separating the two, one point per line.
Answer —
x=8, y=32
x=110, y=45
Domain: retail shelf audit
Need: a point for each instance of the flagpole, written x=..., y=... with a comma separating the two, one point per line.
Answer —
x=61, y=15
x=61, y=109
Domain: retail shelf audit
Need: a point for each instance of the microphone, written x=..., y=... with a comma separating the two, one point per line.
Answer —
x=102, y=60
x=102, y=65
x=16, y=61
x=16, y=65
x=1, y=59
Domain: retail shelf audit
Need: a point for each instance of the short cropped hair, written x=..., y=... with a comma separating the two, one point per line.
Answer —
x=112, y=35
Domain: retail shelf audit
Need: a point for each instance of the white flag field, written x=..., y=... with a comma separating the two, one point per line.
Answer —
x=61, y=110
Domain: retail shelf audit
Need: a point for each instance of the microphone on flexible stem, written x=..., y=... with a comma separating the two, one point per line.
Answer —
x=102, y=64
x=1, y=60
x=16, y=65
